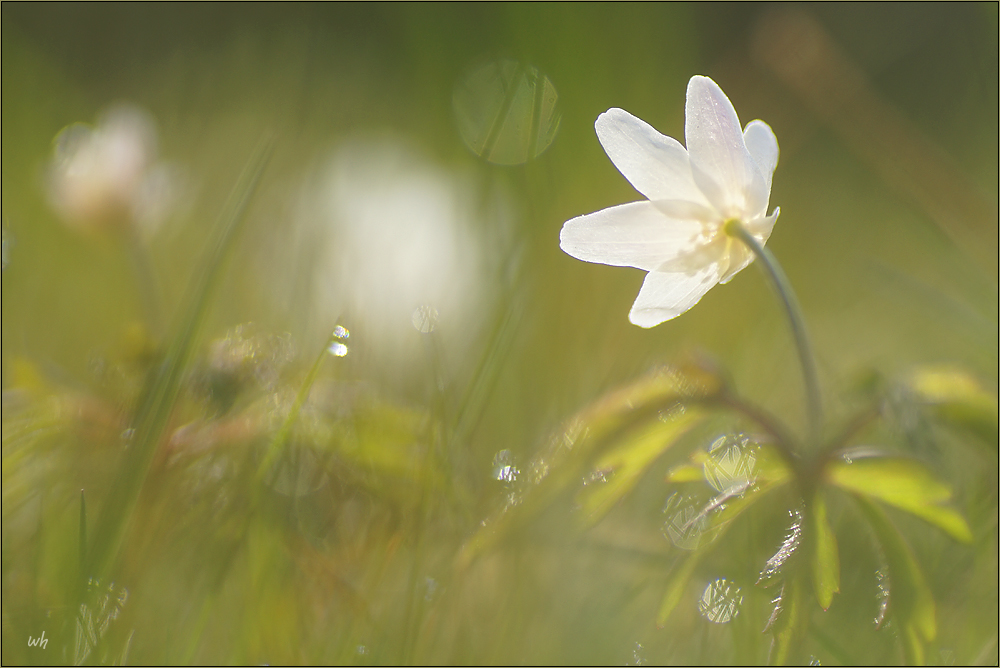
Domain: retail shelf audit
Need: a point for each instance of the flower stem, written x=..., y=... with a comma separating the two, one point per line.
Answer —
x=735, y=228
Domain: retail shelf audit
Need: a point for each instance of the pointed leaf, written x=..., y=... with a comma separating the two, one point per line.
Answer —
x=825, y=556
x=914, y=653
x=911, y=600
x=786, y=622
x=905, y=484
x=958, y=398
x=630, y=459
x=685, y=473
x=598, y=427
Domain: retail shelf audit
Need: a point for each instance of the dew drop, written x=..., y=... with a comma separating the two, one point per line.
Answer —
x=731, y=463
x=721, y=601
x=791, y=543
x=638, y=658
x=503, y=467
x=599, y=476
x=424, y=319
x=685, y=523
x=507, y=112
x=337, y=347
x=882, y=596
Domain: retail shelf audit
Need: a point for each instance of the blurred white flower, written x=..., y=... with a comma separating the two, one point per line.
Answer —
x=399, y=244
x=677, y=235
x=108, y=175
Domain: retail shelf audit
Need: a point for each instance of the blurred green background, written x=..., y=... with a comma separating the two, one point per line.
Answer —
x=373, y=205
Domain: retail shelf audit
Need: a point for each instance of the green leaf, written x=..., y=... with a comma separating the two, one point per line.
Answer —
x=825, y=555
x=721, y=510
x=600, y=426
x=786, y=622
x=911, y=601
x=902, y=483
x=676, y=585
x=656, y=390
x=630, y=458
x=957, y=398
x=685, y=473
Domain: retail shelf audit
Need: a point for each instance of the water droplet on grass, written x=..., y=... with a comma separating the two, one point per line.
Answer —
x=503, y=467
x=721, y=601
x=337, y=348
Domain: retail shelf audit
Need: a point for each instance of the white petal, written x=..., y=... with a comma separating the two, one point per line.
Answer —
x=763, y=148
x=720, y=163
x=656, y=165
x=637, y=234
x=665, y=295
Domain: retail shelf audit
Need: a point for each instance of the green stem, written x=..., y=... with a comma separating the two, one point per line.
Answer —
x=277, y=444
x=735, y=228
x=156, y=406
x=148, y=287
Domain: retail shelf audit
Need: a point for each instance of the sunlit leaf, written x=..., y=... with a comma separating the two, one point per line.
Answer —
x=768, y=467
x=601, y=425
x=655, y=390
x=911, y=602
x=719, y=512
x=825, y=556
x=685, y=473
x=630, y=458
x=958, y=398
x=905, y=484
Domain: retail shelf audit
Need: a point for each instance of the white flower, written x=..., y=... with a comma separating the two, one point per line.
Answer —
x=677, y=234
x=108, y=175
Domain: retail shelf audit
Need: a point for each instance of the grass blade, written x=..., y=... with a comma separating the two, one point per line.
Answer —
x=156, y=406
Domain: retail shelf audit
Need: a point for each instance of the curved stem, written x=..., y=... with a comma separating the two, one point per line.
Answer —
x=781, y=439
x=735, y=228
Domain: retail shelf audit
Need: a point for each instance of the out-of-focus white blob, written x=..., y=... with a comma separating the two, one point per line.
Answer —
x=392, y=234
x=107, y=175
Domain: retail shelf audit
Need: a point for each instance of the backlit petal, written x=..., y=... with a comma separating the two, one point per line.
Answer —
x=763, y=148
x=629, y=235
x=720, y=162
x=656, y=165
x=665, y=295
